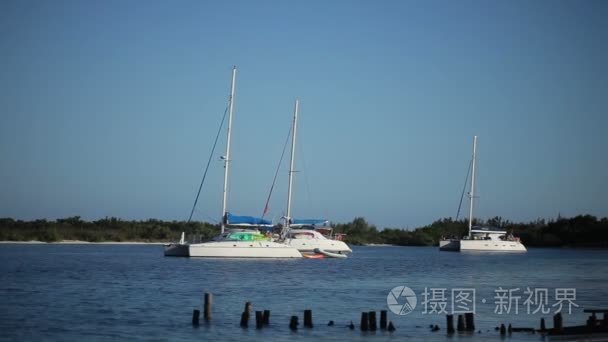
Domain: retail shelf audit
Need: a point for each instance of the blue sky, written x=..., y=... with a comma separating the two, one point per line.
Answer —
x=109, y=108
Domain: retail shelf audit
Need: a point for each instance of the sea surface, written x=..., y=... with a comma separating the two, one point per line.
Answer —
x=132, y=292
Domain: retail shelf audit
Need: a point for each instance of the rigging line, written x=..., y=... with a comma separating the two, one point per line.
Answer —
x=276, y=173
x=466, y=181
x=208, y=163
x=305, y=169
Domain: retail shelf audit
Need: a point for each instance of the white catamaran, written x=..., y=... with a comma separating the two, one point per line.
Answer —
x=481, y=238
x=307, y=240
x=243, y=242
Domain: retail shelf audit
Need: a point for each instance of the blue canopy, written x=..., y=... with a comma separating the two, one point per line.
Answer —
x=246, y=220
x=309, y=222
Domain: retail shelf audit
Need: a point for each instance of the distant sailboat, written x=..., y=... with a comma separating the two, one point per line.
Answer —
x=235, y=243
x=481, y=238
x=296, y=233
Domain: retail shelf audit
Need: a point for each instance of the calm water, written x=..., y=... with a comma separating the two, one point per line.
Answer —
x=120, y=292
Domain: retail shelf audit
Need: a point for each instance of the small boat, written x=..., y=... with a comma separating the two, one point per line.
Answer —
x=329, y=254
x=481, y=238
x=313, y=255
x=307, y=240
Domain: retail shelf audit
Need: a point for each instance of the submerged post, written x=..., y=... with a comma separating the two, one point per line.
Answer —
x=195, y=317
x=259, y=319
x=391, y=327
x=364, y=321
x=469, y=321
x=461, y=325
x=293, y=323
x=372, y=320
x=450, y=323
x=307, y=318
x=207, y=306
x=542, y=324
x=383, y=320
x=245, y=315
x=558, y=322
x=266, y=317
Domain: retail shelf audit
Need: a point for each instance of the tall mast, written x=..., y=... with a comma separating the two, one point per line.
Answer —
x=293, y=152
x=472, y=192
x=226, y=158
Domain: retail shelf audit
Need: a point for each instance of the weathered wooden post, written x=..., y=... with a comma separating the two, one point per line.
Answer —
x=469, y=318
x=208, y=306
x=510, y=329
x=391, y=327
x=503, y=330
x=245, y=315
x=558, y=323
x=351, y=326
x=195, y=317
x=308, y=318
x=364, y=321
x=293, y=323
x=383, y=319
x=592, y=321
x=259, y=319
x=266, y=317
x=542, y=324
x=461, y=325
x=372, y=320
x=450, y=323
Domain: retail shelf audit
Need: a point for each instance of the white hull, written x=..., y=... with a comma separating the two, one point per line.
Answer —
x=243, y=249
x=309, y=245
x=492, y=246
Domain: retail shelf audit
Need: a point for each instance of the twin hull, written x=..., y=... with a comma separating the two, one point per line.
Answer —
x=309, y=245
x=481, y=245
x=243, y=249
x=489, y=245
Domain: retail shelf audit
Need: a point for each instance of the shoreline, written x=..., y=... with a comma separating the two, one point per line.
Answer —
x=78, y=242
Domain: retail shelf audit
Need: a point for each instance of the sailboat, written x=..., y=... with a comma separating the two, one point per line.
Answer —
x=481, y=238
x=302, y=234
x=245, y=241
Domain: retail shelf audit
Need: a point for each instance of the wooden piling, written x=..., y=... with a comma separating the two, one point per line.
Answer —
x=293, y=323
x=383, y=319
x=248, y=307
x=244, y=319
x=351, y=326
x=266, y=317
x=510, y=329
x=503, y=330
x=208, y=306
x=461, y=326
x=308, y=318
x=195, y=317
x=245, y=315
x=372, y=320
x=259, y=320
x=364, y=321
x=450, y=323
x=558, y=321
x=469, y=318
x=391, y=327
x=542, y=324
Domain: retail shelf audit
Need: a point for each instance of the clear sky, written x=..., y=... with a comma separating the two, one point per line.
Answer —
x=109, y=108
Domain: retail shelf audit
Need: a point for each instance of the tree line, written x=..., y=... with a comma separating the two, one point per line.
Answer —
x=578, y=231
